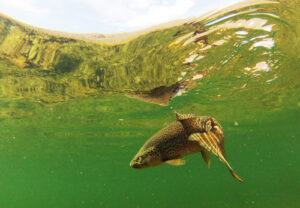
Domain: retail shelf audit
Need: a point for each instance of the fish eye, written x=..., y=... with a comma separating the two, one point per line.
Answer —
x=139, y=159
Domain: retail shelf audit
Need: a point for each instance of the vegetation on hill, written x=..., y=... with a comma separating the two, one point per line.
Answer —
x=42, y=65
x=77, y=67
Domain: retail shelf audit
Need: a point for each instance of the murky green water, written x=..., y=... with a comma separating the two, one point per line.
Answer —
x=77, y=153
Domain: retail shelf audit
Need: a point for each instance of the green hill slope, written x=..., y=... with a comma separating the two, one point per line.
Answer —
x=38, y=64
x=79, y=67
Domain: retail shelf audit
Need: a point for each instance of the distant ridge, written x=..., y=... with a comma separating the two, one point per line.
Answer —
x=113, y=38
x=154, y=64
x=118, y=38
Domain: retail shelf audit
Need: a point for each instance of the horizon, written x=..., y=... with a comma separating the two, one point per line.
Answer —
x=140, y=14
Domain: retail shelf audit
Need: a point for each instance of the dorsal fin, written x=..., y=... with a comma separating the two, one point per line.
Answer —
x=181, y=117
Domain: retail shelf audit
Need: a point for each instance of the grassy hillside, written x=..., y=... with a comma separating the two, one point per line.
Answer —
x=72, y=67
x=48, y=66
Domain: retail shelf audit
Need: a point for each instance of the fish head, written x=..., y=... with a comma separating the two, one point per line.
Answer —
x=145, y=158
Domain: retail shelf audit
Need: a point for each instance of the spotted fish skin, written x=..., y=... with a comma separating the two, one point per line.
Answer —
x=187, y=135
x=169, y=143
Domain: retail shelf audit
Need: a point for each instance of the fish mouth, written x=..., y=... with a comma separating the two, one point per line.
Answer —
x=135, y=165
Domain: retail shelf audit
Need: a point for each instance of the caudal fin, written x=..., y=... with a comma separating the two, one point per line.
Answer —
x=235, y=175
x=211, y=143
x=221, y=157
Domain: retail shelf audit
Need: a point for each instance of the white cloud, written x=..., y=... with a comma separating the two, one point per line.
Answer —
x=26, y=5
x=139, y=4
x=139, y=13
x=159, y=13
x=104, y=16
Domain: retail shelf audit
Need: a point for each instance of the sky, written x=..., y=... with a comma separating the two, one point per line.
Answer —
x=105, y=16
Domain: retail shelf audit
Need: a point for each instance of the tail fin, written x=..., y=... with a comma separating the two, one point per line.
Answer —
x=235, y=175
x=211, y=143
x=221, y=157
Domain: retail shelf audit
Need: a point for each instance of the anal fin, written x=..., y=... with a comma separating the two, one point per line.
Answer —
x=176, y=162
x=206, y=157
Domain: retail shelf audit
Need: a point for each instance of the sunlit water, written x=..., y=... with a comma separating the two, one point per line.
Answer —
x=77, y=153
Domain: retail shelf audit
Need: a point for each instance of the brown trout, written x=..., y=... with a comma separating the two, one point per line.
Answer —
x=187, y=135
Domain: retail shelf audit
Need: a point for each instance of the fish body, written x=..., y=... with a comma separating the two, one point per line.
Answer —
x=187, y=135
x=168, y=144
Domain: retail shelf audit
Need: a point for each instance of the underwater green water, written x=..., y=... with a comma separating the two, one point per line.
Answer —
x=77, y=153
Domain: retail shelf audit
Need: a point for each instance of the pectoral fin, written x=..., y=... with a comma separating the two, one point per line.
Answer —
x=176, y=162
x=206, y=157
